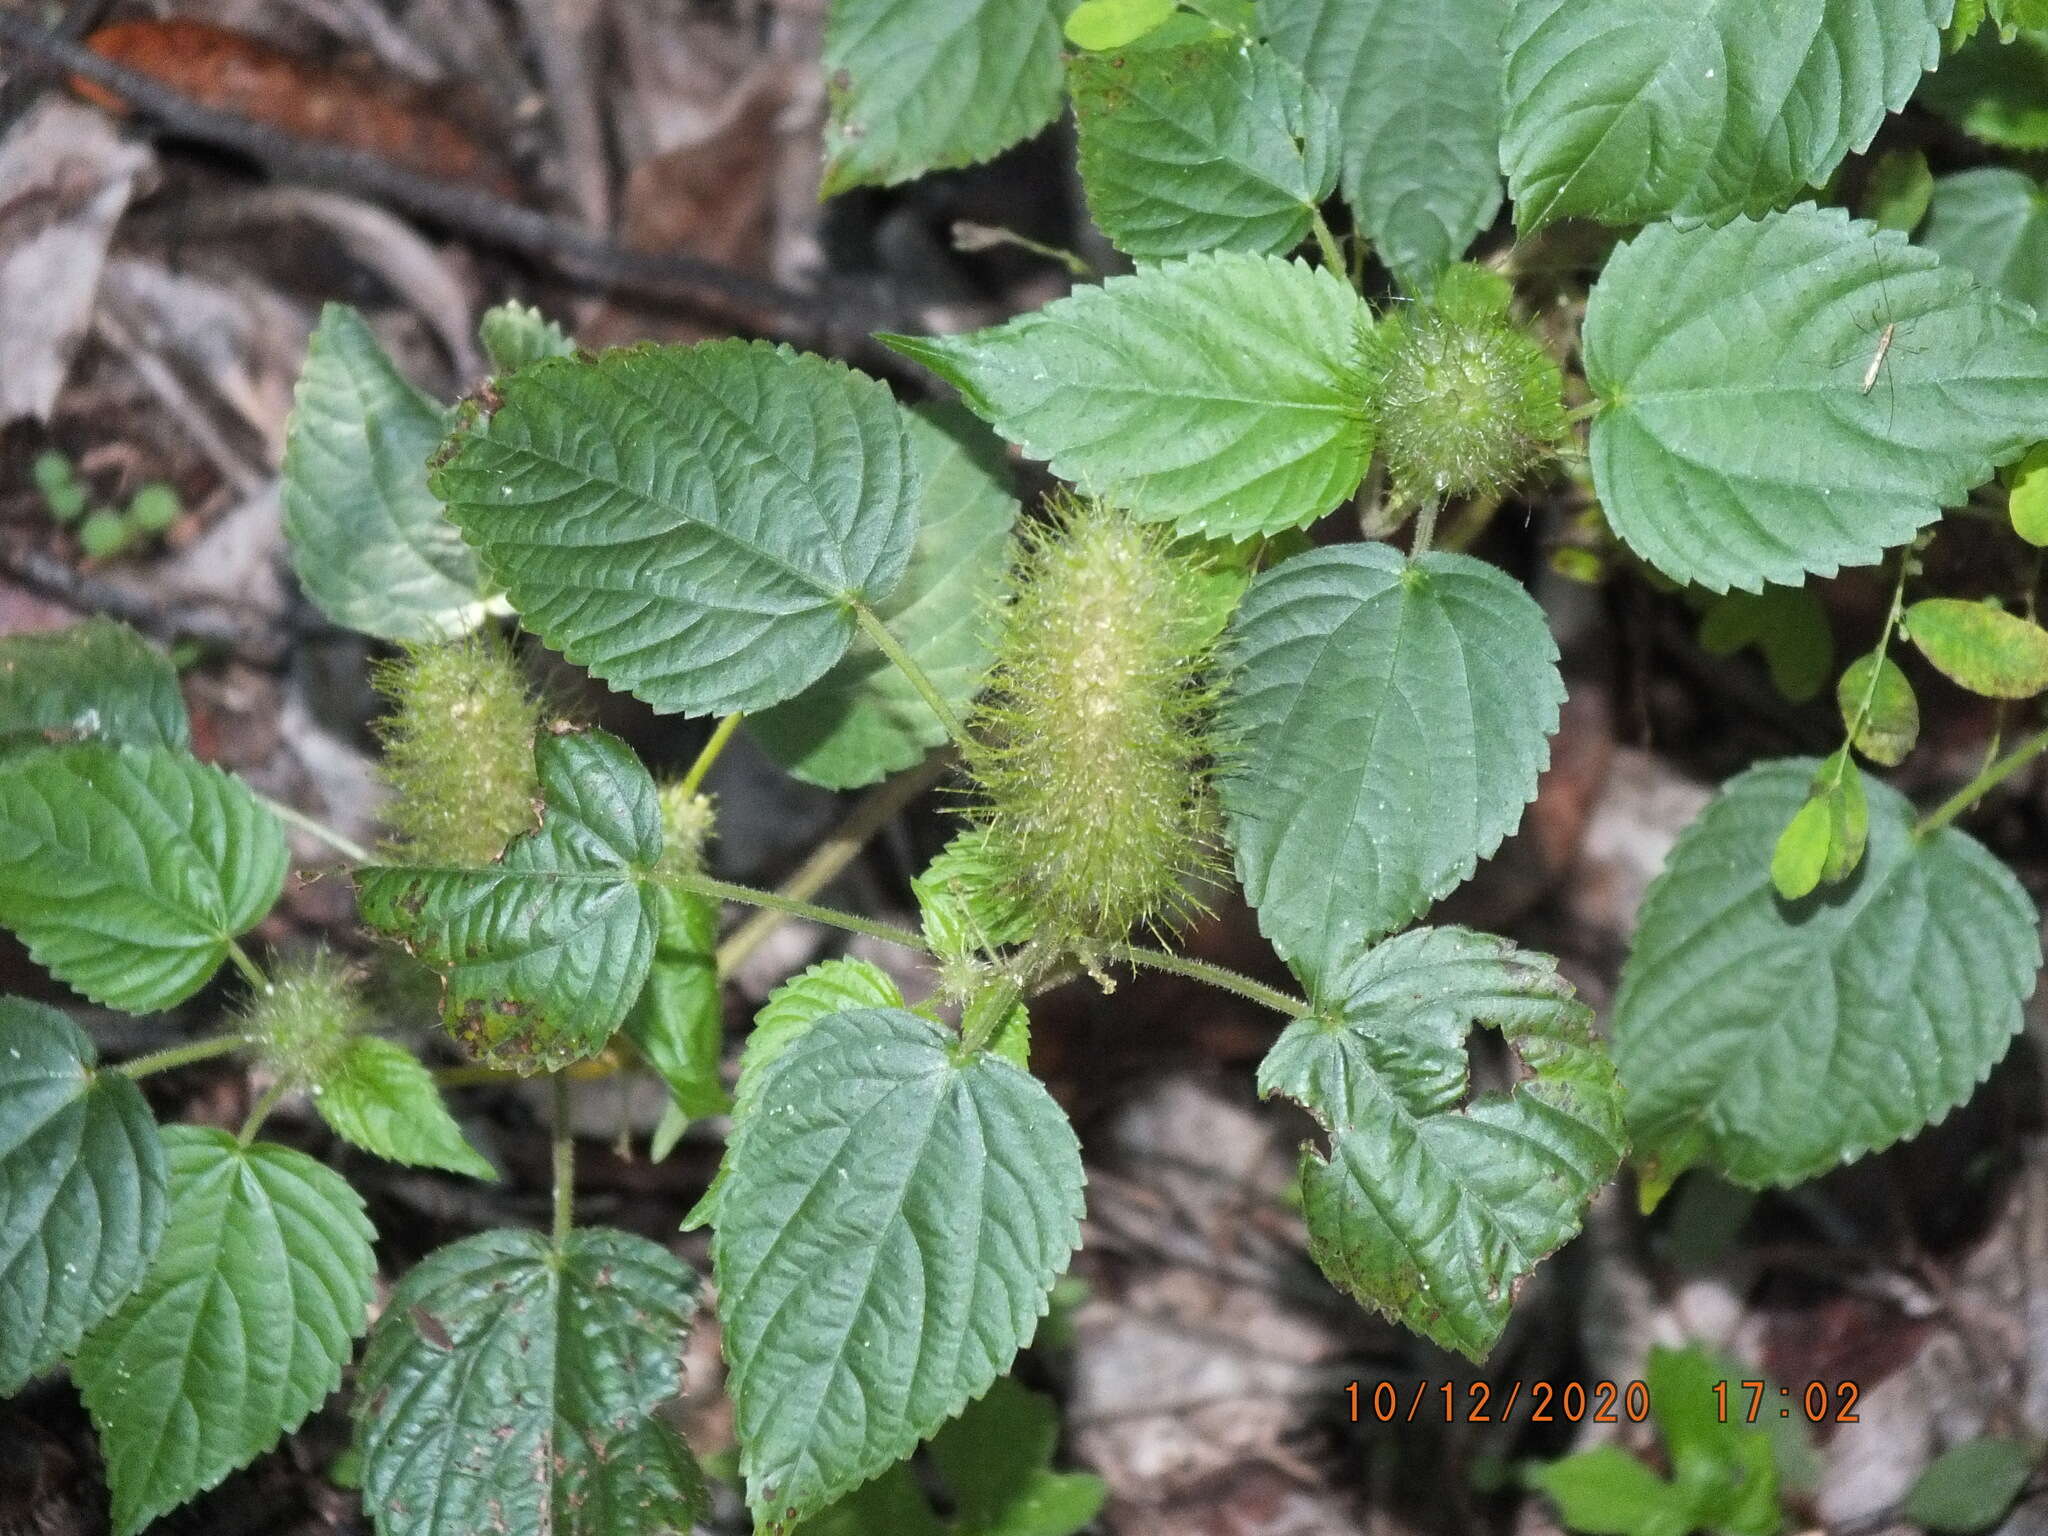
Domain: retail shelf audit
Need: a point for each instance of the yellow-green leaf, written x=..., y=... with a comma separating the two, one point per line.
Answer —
x=1802, y=851
x=1981, y=648
x=1099, y=24
x=2027, y=501
x=1879, y=709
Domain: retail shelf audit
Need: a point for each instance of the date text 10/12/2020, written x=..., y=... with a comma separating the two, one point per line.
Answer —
x=1599, y=1402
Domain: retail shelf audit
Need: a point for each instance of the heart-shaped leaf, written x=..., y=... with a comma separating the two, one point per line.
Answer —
x=894, y=1217
x=1787, y=396
x=241, y=1327
x=1774, y=1040
x=1386, y=722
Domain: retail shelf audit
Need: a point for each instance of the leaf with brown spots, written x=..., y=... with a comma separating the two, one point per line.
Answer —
x=511, y=1387
x=542, y=953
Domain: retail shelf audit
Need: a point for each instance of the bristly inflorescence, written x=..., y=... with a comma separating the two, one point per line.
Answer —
x=458, y=750
x=301, y=1021
x=1467, y=402
x=1091, y=765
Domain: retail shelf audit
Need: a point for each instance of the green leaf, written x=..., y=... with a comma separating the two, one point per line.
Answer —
x=1726, y=1468
x=367, y=538
x=1224, y=394
x=1387, y=722
x=1216, y=145
x=1608, y=1492
x=515, y=334
x=1788, y=624
x=1430, y=1208
x=1789, y=396
x=1993, y=222
x=509, y=1387
x=1980, y=647
x=1891, y=726
x=678, y=1022
x=1899, y=191
x=995, y=1458
x=2027, y=504
x=827, y=988
x=1995, y=92
x=1417, y=96
x=545, y=951
x=127, y=871
x=926, y=85
x=965, y=909
x=693, y=524
x=81, y=1189
x=1971, y=1486
x=1632, y=110
x=1774, y=1040
x=863, y=720
x=1116, y=23
x=378, y=1096
x=2015, y=14
x=1801, y=853
x=241, y=1327
x=894, y=1218
x=95, y=681
x=994, y=1461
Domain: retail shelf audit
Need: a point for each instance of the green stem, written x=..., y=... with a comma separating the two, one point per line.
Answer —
x=832, y=917
x=1214, y=975
x=876, y=810
x=905, y=663
x=260, y=1112
x=1993, y=775
x=694, y=779
x=353, y=851
x=181, y=1055
x=251, y=971
x=565, y=1162
x=1326, y=242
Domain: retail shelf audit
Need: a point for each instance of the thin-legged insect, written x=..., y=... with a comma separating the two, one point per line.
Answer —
x=1884, y=345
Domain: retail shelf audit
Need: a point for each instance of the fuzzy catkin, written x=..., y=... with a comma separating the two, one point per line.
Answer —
x=1467, y=402
x=458, y=750
x=1091, y=773
x=303, y=1019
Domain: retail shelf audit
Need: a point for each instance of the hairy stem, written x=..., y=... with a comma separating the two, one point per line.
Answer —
x=260, y=1112
x=1214, y=975
x=1326, y=243
x=348, y=848
x=831, y=917
x=565, y=1161
x=251, y=971
x=891, y=647
x=875, y=811
x=1993, y=775
x=1425, y=528
x=694, y=779
x=181, y=1055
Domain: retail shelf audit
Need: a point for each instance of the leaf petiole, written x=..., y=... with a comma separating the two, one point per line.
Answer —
x=891, y=647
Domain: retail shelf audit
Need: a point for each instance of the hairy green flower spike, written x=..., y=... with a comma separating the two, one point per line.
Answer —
x=688, y=818
x=1467, y=401
x=302, y=1020
x=1092, y=770
x=458, y=750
